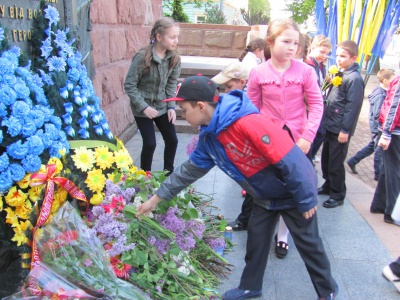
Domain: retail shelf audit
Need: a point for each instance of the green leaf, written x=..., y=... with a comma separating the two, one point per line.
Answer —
x=129, y=183
x=192, y=212
x=160, y=271
x=143, y=194
x=172, y=264
x=172, y=289
x=222, y=225
x=186, y=216
x=139, y=257
x=117, y=177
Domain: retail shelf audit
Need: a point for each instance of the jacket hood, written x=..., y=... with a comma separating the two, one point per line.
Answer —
x=378, y=91
x=230, y=108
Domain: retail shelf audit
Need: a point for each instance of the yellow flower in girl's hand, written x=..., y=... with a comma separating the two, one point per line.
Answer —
x=333, y=69
x=336, y=81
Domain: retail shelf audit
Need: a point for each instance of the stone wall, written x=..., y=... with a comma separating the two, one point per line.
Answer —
x=119, y=29
x=212, y=40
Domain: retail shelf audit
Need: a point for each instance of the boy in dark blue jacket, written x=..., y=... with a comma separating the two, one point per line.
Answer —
x=264, y=160
x=376, y=98
x=341, y=114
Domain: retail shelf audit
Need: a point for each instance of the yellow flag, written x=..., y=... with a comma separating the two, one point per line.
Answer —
x=368, y=21
x=356, y=17
x=346, y=23
x=340, y=19
x=376, y=25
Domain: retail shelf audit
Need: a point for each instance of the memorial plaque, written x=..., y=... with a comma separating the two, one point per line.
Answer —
x=16, y=17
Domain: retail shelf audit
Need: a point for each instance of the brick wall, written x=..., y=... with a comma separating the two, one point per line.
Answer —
x=120, y=29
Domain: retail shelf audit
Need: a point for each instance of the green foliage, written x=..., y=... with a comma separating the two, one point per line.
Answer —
x=302, y=10
x=215, y=15
x=259, y=12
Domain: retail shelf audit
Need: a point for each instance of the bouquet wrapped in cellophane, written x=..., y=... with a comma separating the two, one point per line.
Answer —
x=73, y=264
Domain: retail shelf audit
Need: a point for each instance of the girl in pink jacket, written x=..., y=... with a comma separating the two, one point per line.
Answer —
x=287, y=90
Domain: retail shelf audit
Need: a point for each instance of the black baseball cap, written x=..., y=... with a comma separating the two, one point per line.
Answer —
x=196, y=88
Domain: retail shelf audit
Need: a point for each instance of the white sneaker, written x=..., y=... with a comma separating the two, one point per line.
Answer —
x=389, y=275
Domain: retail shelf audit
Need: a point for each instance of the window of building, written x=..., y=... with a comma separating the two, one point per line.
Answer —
x=200, y=19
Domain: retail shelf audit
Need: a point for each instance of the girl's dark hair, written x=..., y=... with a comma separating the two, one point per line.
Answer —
x=252, y=46
x=160, y=27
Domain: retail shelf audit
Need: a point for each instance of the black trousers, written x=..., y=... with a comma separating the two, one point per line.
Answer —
x=388, y=188
x=168, y=133
x=306, y=238
x=245, y=213
x=332, y=165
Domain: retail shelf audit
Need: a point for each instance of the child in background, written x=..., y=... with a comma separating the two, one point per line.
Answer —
x=343, y=109
x=376, y=98
x=278, y=174
x=253, y=55
x=233, y=77
x=321, y=46
x=388, y=189
x=278, y=87
x=152, y=77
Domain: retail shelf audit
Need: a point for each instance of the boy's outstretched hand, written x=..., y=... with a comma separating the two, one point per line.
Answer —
x=310, y=213
x=146, y=207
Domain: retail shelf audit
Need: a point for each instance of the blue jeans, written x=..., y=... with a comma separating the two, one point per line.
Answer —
x=372, y=147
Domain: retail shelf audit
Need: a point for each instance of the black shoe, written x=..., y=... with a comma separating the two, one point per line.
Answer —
x=331, y=203
x=323, y=191
x=352, y=167
x=374, y=210
x=376, y=177
x=237, y=225
x=281, y=248
x=388, y=219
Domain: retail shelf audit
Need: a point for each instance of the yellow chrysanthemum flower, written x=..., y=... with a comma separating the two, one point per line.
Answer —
x=95, y=180
x=97, y=199
x=104, y=158
x=24, y=210
x=57, y=162
x=333, y=69
x=20, y=238
x=19, y=230
x=15, y=197
x=123, y=159
x=60, y=195
x=133, y=169
x=83, y=158
x=1, y=203
x=55, y=206
x=35, y=192
x=43, y=169
x=111, y=176
x=24, y=183
x=141, y=172
x=11, y=217
x=336, y=81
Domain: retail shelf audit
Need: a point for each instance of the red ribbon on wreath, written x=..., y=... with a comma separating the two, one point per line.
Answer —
x=49, y=179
